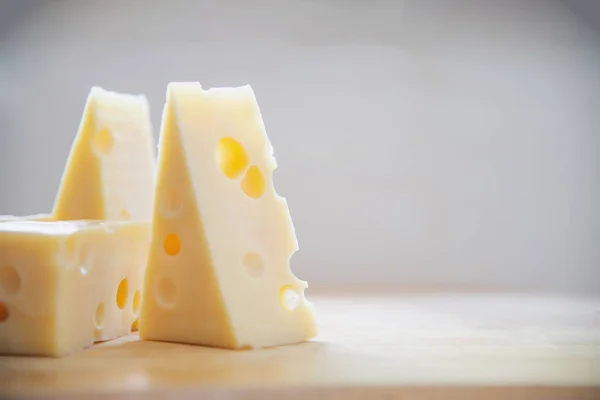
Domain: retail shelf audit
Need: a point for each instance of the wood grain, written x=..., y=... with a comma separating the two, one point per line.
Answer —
x=376, y=344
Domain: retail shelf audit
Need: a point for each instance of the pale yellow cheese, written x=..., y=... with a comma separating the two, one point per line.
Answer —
x=218, y=272
x=111, y=168
x=65, y=285
x=32, y=217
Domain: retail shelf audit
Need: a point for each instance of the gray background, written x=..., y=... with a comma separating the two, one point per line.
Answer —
x=418, y=141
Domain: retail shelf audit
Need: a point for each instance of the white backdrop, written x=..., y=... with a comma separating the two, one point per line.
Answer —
x=418, y=141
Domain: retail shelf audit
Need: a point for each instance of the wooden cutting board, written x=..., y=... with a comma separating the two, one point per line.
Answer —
x=373, y=344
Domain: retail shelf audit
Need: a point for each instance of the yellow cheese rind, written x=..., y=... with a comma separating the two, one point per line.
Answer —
x=218, y=272
x=110, y=172
x=65, y=285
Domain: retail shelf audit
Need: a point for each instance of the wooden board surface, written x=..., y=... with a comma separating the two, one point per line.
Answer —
x=372, y=344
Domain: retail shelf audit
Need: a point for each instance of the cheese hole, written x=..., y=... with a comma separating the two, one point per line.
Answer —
x=122, y=294
x=289, y=298
x=3, y=312
x=99, y=316
x=166, y=292
x=103, y=141
x=135, y=325
x=171, y=202
x=231, y=157
x=125, y=215
x=172, y=244
x=135, y=305
x=253, y=264
x=253, y=183
x=10, y=281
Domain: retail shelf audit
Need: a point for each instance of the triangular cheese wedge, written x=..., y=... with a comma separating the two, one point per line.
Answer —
x=218, y=272
x=111, y=168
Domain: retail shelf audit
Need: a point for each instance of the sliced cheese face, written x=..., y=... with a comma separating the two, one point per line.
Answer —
x=111, y=168
x=218, y=272
x=33, y=217
x=66, y=285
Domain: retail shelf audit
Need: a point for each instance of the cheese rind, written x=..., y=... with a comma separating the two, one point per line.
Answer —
x=111, y=168
x=66, y=285
x=218, y=272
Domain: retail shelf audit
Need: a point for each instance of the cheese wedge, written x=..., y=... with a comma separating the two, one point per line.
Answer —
x=66, y=285
x=218, y=272
x=111, y=168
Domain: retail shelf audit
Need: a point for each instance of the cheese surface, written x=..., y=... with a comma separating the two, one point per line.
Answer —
x=32, y=217
x=218, y=272
x=110, y=172
x=66, y=285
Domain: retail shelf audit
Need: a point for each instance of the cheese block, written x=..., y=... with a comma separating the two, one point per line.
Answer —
x=110, y=172
x=218, y=273
x=33, y=217
x=66, y=285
